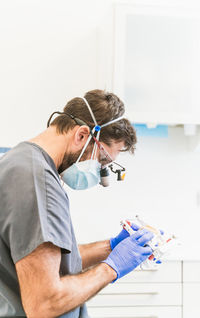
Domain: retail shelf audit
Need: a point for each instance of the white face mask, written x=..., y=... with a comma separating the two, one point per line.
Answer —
x=83, y=175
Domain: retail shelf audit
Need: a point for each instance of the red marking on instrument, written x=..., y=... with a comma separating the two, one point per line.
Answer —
x=129, y=223
x=151, y=257
x=168, y=240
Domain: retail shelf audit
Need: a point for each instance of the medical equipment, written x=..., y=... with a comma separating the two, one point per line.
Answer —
x=161, y=244
x=107, y=162
x=130, y=252
x=121, y=236
x=104, y=175
x=120, y=176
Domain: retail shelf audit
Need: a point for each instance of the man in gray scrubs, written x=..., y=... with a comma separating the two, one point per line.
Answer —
x=43, y=272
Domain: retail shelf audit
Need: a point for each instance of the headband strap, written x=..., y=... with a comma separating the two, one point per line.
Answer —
x=94, y=119
x=90, y=110
x=112, y=121
x=96, y=128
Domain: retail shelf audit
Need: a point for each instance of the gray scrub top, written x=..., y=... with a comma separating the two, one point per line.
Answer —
x=34, y=208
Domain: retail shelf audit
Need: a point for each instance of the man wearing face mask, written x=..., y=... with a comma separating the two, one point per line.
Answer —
x=43, y=272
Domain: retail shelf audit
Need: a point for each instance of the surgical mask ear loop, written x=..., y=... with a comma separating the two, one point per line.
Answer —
x=85, y=146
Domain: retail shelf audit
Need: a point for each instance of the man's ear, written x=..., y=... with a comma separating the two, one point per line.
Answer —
x=81, y=135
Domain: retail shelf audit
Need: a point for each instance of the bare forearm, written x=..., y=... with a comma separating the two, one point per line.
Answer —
x=45, y=294
x=94, y=253
x=74, y=290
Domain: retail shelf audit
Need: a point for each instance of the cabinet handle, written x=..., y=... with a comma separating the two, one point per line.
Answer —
x=133, y=317
x=126, y=294
x=146, y=270
x=143, y=317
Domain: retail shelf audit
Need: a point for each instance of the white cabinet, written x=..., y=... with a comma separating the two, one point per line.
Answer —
x=191, y=289
x=191, y=293
x=166, y=273
x=191, y=272
x=135, y=312
x=129, y=294
x=171, y=291
x=156, y=61
x=142, y=294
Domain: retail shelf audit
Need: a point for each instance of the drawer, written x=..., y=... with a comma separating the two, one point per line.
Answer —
x=168, y=271
x=130, y=294
x=135, y=312
x=191, y=271
x=191, y=307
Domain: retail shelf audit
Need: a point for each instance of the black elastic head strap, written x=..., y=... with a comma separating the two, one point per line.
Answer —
x=77, y=120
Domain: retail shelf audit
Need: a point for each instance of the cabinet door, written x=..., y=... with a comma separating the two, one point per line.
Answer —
x=168, y=272
x=156, y=64
x=135, y=312
x=191, y=300
x=191, y=271
x=129, y=294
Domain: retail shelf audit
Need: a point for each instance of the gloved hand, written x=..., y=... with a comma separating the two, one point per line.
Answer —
x=121, y=236
x=130, y=253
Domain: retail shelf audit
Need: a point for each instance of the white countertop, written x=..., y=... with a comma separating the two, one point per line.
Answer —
x=188, y=251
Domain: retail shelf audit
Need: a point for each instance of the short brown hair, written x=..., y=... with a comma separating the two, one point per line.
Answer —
x=106, y=107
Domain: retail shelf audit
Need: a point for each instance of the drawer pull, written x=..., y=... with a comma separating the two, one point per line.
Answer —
x=132, y=317
x=126, y=294
x=146, y=270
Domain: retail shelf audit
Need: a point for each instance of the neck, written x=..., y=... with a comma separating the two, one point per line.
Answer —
x=53, y=143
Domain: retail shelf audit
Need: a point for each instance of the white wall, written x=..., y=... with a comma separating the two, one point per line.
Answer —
x=48, y=54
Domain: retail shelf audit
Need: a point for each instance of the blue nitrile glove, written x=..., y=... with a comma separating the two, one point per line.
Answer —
x=121, y=236
x=130, y=253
